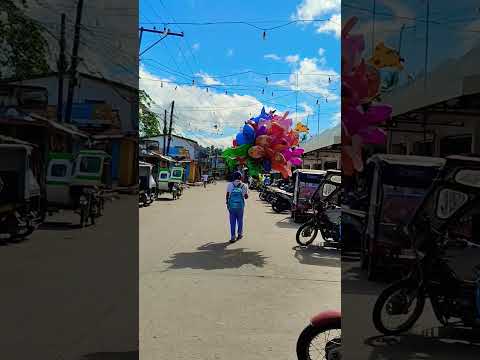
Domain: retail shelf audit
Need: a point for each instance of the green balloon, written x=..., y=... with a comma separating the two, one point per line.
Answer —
x=230, y=155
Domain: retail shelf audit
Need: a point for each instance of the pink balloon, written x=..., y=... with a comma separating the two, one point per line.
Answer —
x=298, y=152
x=296, y=161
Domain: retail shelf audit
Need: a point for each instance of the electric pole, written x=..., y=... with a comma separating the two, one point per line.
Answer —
x=72, y=81
x=318, y=118
x=373, y=24
x=164, y=132
x=165, y=33
x=170, y=128
x=400, y=39
x=61, y=70
x=427, y=35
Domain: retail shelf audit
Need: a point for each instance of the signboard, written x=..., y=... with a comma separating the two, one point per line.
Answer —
x=92, y=114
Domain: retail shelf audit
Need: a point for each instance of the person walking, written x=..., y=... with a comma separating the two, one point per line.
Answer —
x=237, y=192
x=205, y=180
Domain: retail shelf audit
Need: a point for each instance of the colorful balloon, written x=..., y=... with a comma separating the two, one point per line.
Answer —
x=256, y=152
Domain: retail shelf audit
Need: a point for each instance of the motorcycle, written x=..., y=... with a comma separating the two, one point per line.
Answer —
x=455, y=301
x=282, y=202
x=326, y=219
x=322, y=338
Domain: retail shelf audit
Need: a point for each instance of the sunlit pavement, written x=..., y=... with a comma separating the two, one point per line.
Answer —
x=202, y=298
x=427, y=340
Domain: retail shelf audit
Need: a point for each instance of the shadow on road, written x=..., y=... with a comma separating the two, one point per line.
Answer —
x=128, y=355
x=58, y=225
x=317, y=255
x=287, y=223
x=437, y=343
x=354, y=282
x=214, y=256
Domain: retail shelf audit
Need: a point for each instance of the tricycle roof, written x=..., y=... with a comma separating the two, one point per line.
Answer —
x=310, y=171
x=94, y=152
x=413, y=160
x=145, y=164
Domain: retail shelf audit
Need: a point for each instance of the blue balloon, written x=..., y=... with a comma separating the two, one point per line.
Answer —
x=241, y=139
x=267, y=165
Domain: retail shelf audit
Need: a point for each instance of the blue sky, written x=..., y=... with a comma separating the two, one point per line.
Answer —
x=212, y=56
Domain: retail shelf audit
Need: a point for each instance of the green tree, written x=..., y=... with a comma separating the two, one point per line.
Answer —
x=23, y=49
x=149, y=121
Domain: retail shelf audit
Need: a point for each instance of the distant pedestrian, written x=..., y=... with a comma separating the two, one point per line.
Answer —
x=205, y=180
x=237, y=192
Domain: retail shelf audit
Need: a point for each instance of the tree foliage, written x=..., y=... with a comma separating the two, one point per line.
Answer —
x=149, y=120
x=23, y=49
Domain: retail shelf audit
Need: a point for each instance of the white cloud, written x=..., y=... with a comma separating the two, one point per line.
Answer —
x=272, y=57
x=310, y=9
x=196, y=46
x=321, y=52
x=207, y=79
x=313, y=77
x=210, y=117
x=292, y=58
x=230, y=52
x=336, y=118
x=333, y=25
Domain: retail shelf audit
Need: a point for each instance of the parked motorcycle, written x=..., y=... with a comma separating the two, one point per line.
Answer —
x=322, y=338
x=452, y=199
x=282, y=202
x=326, y=219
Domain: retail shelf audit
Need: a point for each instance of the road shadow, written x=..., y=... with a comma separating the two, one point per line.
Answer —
x=355, y=282
x=128, y=355
x=58, y=225
x=164, y=199
x=213, y=256
x=287, y=223
x=437, y=343
x=317, y=255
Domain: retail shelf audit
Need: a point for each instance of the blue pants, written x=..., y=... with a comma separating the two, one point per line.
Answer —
x=236, y=216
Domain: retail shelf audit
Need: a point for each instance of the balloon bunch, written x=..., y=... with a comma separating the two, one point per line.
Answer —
x=266, y=142
x=360, y=87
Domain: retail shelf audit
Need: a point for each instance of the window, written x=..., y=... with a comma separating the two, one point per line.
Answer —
x=177, y=173
x=58, y=170
x=90, y=164
x=449, y=201
x=454, y=145
x=163, y=176
x=328, y=189
x=468, y=177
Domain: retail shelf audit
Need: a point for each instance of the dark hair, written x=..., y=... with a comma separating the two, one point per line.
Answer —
x=237, y=175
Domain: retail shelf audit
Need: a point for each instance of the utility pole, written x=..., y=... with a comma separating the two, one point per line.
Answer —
x=72, y=81
x=400, y=39
x=165, y=33
x=318, y=118
x=165, y=132
x=373, y=24
x=427, y=35
x=61, y=70
x=170, y=129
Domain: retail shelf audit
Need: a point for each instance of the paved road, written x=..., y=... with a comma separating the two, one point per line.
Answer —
x=70, y=293
x=427, y=340
x=202, y=299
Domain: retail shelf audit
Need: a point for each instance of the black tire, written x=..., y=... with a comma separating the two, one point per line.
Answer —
x=384, y=297
x=278, y=207
x=308, y=224
x=82, y=216
x=308, y=335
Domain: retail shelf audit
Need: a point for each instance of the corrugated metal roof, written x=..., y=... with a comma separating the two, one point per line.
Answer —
x=326, y=138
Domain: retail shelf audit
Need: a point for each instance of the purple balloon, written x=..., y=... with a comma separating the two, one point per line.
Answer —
x=261, y=130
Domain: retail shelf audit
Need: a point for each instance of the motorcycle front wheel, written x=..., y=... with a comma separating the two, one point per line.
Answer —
x=402, y=303
x=306, y=233
x=279, y=207
x=320, y=343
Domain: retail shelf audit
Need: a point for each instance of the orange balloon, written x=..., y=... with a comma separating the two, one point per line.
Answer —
x=269, y=153
x=256, y=152
x=279, y=147
x=263, y=140
x=278, y=158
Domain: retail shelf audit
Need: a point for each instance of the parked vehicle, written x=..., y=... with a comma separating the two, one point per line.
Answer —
x=21, y=196
x=327, y=214
x=398, y=186
x=77, y=183
x=171, y=181
x=322, y=338
x=147, y=184
x=452, y=202
x=306, y=183
x=283, y=201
